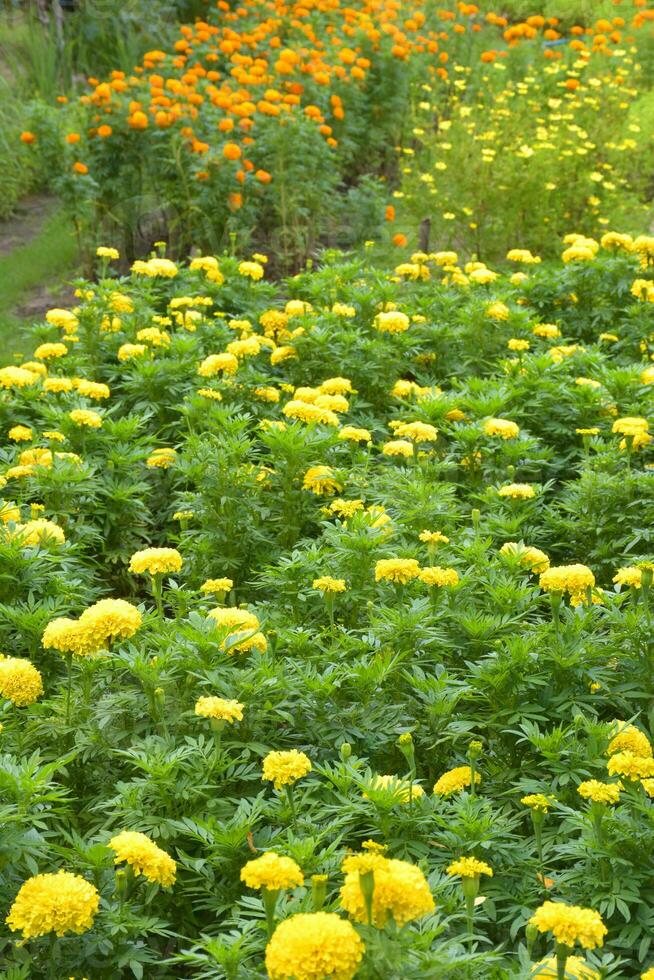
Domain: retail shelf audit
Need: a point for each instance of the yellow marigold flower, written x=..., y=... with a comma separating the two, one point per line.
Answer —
x=518, y=344
x=343, y=508
x=349, y=433
x=497, y=311
x=567, y=578
x=391, y=321
x=91, y=389
x=575, y=969
x=144, y=857
x=437, y=576
x=154, y=336
x=538, y=802
x=469, y=867
x=215, y=363
x=237, y=621
x=570, y=924
x=647, y=376
x=246, y=347
x=217, y=586
x=9, y=512
x=57, y=385
x=501, y=427
x=156, y=267
x=517, y=491
x=105, y=252
x=631, y=766
x=523, y=256
x=397, y=570
x=47, y=352
x=126, y=352
x=20, y=433
x=40, y=532
x=267, y=394
x=183, y=515
x=643, y=289
x=630, y=739
x=402, y=789
x=251, y=270
x=37, y=456
x=482, y=276
x=161, y=459
x=337, y=386
x=272, y=871
x=16, y=377
x=58, y=903
x=210, y=393
x=548, y=330
x=533, y=558
x=417, y=431
x=342, y=309
x=321, y=481
x=85, y=418
x=108, y=620
x=593, y=789
x=398, y=447
x=305, y=412
x=20, y=681
x=630, y=426
x=64, y=319
x=35, y=367
x=455, y=780
x=282, y=354
x=592, y=431
x=156, y=561
x=120, y=303
x=433, y=537
x=219, y=708
x=329, y=584
x=285, y=768
x=400, y=891
x=314, y=946
x=67, y=636
x=333, y=403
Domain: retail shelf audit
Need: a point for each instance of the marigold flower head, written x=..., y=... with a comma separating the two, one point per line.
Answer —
x=416, y=431
x=497, y=311
x=155, y=561
x=239, y=621
x=397, y=570
x=329, y=584
x=272, y=871
x=219, y=708
x=391, y=321
x=321, y=481
x=598, y=792
x=400, y=891
x=630, y=766
x=532, y=558
x=144, y=857
x=314, y=946
x=68, y=636
x=20, y=433
x=501, y=427
x=630, y=425
x=433, y=537
x=469, y=867
x=20, y=681
x=436, y=576
x=455, y=780
x=251, y=270
x=91, y=389
x=285, y=768
x=567, y=578
x=85, y=418
x=17, y=377
x=517, y=491
x=570, y=924
x=538, y=802
x=217, y=586
x=59, y=903
x=48, y=352
x=398, y=447
x=630, y=739
x=40, y=532
x=161, y=459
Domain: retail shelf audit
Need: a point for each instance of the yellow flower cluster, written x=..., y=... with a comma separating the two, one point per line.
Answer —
x=20, y=681
x=285, y=768
x=155, y=561
x=329, y=584
x=455, y=780
x=400, y=571
x=598, y=792
x=97, y=627
x=219, y=708
x=570, y=924
x=469, y=867
x=236, y=622
x=58, y=903
x=574, y=579
x=272, y=871
x=314, y=946
x=400, y=891
x=144, y=857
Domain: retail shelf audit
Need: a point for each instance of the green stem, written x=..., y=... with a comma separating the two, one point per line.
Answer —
x=269, y=902
x=291, y=803
x=157, y=588
x=69, y=686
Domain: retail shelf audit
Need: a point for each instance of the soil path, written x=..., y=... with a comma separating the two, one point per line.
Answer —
x=26, y=223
